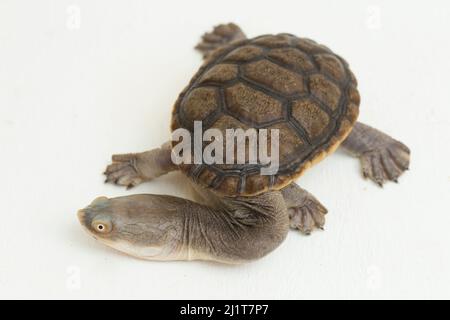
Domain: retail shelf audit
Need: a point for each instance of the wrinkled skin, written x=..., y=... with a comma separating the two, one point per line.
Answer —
x=160, y=227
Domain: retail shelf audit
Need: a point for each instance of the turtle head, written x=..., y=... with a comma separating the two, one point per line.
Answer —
x=133, y=225
x=97, y=218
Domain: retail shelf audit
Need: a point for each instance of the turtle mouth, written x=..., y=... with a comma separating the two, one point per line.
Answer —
x=81, y=214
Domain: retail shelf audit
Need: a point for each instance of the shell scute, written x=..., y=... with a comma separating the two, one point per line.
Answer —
x=274, y=77
x=311, y=117
x=244, y=54
x=198, y=105
x=220, y=73
x=252, y=106
x=332, y=66
x=325, y=90
x=292, y=58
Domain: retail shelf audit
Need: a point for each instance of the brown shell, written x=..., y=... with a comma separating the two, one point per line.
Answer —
x=270, y=82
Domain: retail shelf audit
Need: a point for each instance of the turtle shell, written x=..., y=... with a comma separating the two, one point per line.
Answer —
x=278, y=82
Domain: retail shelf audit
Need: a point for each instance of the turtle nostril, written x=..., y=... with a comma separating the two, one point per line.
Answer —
x=81, y=214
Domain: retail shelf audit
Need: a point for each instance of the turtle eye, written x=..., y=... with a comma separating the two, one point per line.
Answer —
x=101, y=226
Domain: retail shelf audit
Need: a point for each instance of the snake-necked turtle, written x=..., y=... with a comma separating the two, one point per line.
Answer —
x=275, y=82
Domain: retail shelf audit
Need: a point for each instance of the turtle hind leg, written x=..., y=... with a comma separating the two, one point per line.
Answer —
x=132, y=169
x=382, y=157
x=306, y=213
x=219, y=36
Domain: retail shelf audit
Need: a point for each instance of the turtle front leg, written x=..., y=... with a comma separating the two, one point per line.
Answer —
x=382, y=157
x=134, y=168
x=305, y=212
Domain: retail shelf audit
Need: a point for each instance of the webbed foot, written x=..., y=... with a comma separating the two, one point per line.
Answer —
x=123, y=171
x=306, y=213
x=219, y=36
x=132, y=169
x=382, y=157
x=385, y=163
x=307, y=217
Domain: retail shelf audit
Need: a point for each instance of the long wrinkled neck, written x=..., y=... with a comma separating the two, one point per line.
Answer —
x=233, y=230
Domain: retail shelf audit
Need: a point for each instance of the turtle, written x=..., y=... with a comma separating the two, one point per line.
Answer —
x=293, y=85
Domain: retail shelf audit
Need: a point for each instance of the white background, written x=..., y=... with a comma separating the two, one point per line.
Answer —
x=80, y=80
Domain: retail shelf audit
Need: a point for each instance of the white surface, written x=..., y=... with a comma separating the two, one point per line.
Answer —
x=72, y=92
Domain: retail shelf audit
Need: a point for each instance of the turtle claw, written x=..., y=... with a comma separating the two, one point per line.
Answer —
x=219, y=36
x=123, y=171
x=386, y=163
x=308, y=216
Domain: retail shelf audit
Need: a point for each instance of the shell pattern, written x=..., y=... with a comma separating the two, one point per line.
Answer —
x=278, y=82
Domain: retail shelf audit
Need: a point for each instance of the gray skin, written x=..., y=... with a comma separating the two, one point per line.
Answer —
x=216, y=228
